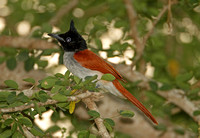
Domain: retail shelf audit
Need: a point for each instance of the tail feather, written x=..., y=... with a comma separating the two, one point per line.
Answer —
x=131, y=98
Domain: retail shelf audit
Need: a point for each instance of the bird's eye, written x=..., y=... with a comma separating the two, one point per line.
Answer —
x=68, y=39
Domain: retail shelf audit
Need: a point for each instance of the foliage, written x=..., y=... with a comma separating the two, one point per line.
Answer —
x=173, y=52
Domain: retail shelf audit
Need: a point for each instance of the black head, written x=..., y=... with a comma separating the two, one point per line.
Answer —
x=71, y=40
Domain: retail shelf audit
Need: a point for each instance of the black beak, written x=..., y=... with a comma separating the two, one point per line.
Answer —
x=57, y=37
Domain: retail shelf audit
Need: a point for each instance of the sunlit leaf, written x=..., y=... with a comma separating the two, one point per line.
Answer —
x=108, y=77
x=31, y=80
x=72, y=106
x=126, y=113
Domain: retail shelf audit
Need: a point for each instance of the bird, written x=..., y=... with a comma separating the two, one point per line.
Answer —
x=82, y=62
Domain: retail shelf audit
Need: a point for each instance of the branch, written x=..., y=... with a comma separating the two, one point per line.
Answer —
x=134, y=32
x=99, y=121
x=49, y=102
x=132, y=16
x=22, y=42
x=65, y=9
x=27, y=133
x=149, y=33
x=175, y=96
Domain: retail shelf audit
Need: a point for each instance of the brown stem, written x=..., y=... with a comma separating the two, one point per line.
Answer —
x=99, y=121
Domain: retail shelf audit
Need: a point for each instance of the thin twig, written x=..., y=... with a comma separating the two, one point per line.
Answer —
x=99, y=121
x=132, y=15
x=65, y=9
x=149, y=33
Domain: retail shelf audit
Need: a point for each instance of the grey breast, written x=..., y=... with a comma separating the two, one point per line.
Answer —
x=74, y=67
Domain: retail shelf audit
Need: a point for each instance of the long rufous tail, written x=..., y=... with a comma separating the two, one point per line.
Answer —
x=131, y=98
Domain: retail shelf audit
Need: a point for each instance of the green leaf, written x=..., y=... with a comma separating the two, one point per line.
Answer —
x=9, y=50
x=53, y=129
x=37, y=108
x=25, y=121
x=11, y=84
x=55, y=116
x=3, y=104
x=11, y=63
x=153, y=85
x=59, y=75
x=126, y=113
x=179, y=131
x=48, y=83
x=17, y=134
x=5, y=134
x=63, y=106
x=31, y=80
x=37, y=131
x=83, y=134
x=23, y=98
x=23, y=55
x=33, y=113
x=109, y=121
x=67, y=74
x=94, y=114
x=42, y=63
x=56, y=88
x=3, y=96
x=183, y=85
x=108, y=126
x=89, y=79
x=108, y=77
x=59, y=97
x=8, y=121
x=165, y=87
x=184, y=77
x=116, y=46
x=194, y=91
x=11, y=98
x=14, y=127
x=99, y=44
x=2, y=59
x=92, y=136
x=16, y=103
x=77, y=79
x=196, y=113
x=29, y=63
x=20, y=128
x=42, y=96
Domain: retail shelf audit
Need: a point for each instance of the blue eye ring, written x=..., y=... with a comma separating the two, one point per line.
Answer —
x=68, y=39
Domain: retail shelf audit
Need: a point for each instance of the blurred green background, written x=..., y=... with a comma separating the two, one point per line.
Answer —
x=171, y=55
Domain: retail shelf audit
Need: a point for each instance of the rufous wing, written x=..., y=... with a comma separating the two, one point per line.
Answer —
x=90, y=60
